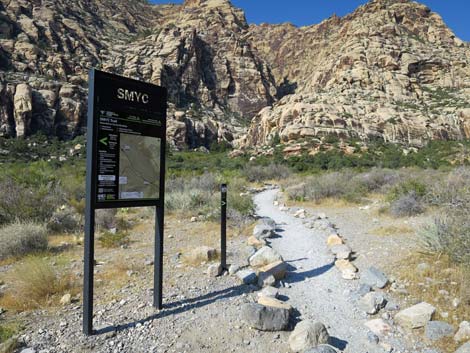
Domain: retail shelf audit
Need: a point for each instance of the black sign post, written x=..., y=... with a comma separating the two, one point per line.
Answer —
x=223, y=227
x=126, y=141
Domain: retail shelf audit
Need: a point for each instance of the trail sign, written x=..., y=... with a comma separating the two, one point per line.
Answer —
x=126, y=139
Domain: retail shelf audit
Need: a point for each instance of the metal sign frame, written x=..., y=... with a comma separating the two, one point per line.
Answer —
x=140, y=98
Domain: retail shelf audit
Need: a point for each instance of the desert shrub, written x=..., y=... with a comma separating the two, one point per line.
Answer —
x=406, y=206
x=105, y=219
x=407, y=187
x=27, y=202
x=450, y=231
x=114, y=239
x=329, y=185
x=259, y=173
x=64, y=220
x=35, y=281
x=22, y=238
x=452, y=190
x=376, y=179
x=7, y=332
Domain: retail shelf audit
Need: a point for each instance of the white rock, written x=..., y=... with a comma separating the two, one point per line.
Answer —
x=416, y=316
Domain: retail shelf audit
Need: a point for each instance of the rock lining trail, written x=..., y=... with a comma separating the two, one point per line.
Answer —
x=314, y=286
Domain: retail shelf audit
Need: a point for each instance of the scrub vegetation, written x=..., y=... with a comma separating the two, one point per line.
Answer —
x=44, y=201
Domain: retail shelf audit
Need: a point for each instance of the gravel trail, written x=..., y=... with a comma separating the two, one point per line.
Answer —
x=317, y=289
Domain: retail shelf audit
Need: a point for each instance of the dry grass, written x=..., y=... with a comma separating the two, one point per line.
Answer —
x=35, y=283
x=442, y=274
x=392, y=230
x=116, y=272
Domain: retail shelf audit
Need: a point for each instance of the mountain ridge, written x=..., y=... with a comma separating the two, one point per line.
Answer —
x=296, y=83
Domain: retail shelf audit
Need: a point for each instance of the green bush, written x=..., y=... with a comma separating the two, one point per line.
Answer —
x=114, y=240
x=22, y=238
x=407, y=187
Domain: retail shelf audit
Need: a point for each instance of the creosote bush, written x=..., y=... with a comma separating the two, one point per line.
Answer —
x=406, y=206
x=20, y=238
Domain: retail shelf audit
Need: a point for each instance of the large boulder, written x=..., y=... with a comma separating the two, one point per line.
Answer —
x=265, y=318
x=264, y=256
x=308, y=334
x=416, y=316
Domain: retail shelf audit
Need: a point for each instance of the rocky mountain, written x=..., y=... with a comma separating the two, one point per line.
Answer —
x=391, y=70
x=198, y=51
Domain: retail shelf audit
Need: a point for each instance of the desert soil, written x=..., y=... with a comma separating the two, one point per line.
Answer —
x=202, y=314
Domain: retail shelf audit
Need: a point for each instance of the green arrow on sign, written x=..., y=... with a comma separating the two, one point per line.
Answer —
x=104, y=141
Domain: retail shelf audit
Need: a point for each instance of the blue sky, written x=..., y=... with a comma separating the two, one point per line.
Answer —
x=306, y=12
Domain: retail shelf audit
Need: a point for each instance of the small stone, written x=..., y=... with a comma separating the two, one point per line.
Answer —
x=264, y=256
x=416, y=316
x=28, y=350
x=372, y=337
x=307, y=335
x=456, y=302
x=374, y=278
x=334, y=239
x=436, y=330
x=269, y=291
x=214, y=270
x=266, y=279
x=193, y=219
x=378, y=327
x=247, y=276
x=422, y=268
x=278, y=269
x=342, y=252
x=267, y=301
x=233, y=268
x=149, y=263
x=265, y=318
x=66, y=299
x=258, y=243
x=372, y=302
x=463, y=333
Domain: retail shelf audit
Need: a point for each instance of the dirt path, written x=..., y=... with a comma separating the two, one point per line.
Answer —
x=317, y=289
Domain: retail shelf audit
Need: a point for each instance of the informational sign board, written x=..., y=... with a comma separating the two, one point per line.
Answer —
x=129, y=132
x=126, y=140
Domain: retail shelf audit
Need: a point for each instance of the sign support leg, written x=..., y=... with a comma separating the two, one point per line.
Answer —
x=89, y=272
x=223, y=228
x=158, y=260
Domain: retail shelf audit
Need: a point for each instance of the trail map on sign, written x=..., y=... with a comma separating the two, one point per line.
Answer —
x=139, y=166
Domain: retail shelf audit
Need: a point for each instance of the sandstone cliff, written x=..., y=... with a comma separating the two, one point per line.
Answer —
x=198, y=51
x=391, y=70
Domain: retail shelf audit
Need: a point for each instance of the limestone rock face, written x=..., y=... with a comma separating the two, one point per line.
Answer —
x=392, y=70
